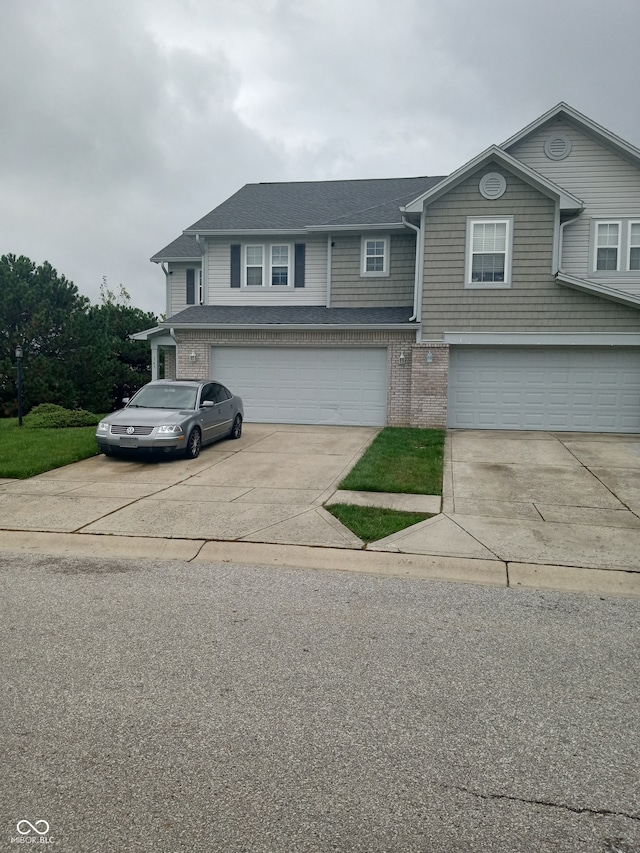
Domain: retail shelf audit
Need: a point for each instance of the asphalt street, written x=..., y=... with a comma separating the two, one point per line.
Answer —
x=175, y=706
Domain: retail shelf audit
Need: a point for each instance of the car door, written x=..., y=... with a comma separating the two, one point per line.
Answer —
x=224, y=408
x=209, y=415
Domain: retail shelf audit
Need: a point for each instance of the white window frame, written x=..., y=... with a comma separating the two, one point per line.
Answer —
x=289, y=265
x=377, y=238
x=596, y=245
x=631, y=245
x=267, y=266
x=246, y=265
x=472, y=221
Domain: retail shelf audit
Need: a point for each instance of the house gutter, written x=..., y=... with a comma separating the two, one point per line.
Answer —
x=275, y=327
x=417, y=290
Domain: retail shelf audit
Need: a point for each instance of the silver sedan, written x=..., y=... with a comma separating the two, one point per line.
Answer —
x=172, y=416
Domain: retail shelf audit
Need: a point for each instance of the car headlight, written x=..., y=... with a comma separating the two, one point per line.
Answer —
x=103, y=426
x=169, y=428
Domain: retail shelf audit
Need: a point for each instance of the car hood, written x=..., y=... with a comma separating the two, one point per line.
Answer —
x=149, y=417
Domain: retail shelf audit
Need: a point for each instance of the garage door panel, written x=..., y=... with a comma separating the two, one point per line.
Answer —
x=558, y=388
x=306, y=385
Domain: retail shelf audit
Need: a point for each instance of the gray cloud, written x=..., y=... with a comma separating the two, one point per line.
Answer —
x=125, y=122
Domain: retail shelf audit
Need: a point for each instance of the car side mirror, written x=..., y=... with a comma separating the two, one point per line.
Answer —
x=125, y=400
x=207, y=404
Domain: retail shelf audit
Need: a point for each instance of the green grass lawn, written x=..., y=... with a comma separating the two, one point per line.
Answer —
x=371, y=523
x=27, y=452
x=400, y=460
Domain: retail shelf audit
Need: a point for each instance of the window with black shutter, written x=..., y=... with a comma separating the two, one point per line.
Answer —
x=191, y=287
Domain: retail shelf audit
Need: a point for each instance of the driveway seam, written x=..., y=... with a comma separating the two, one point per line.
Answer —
x=475, y=538
x=595, y=476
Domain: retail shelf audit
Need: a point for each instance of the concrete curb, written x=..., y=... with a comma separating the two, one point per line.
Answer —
x=383, y=564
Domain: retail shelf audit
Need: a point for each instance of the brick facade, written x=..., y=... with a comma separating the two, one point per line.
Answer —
x=416, y=384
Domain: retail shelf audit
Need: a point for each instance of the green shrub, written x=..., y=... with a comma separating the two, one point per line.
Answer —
x=50, y=416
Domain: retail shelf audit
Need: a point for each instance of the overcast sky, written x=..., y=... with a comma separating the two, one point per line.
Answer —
x=125, y=121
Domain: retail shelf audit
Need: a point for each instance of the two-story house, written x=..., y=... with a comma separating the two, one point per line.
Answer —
x=504, y=296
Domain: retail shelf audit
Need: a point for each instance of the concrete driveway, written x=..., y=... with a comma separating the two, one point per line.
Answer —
x=559, y=510
x=541, y=503
x=267, y=487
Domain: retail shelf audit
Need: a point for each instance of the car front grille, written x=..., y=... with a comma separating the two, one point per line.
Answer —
x=116, y=429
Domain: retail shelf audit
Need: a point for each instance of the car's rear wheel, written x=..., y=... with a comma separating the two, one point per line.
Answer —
x=194, y=443
x=236, y=429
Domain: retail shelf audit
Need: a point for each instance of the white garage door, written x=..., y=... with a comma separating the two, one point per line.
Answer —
x=555, y=388
x=306, y=385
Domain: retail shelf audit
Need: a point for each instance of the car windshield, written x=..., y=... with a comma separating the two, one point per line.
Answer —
x=166, y=397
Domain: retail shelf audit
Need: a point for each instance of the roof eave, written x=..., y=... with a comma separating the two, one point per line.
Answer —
x=363, y=226
x=598, y=289
x=145, y=334
x=171, y=259
x=229, y=232
x=293, y=326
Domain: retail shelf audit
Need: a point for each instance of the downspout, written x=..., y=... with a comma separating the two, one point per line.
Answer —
x=417, y=290
x=329, y=271
x=202, y=284
x=167, y=280
x=561, y=241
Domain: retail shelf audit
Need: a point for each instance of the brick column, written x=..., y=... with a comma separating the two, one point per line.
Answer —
x=429, y=382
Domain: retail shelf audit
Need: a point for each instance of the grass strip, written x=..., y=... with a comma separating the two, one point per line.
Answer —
x=403, y=460
x=27, y=452
x=371, y=523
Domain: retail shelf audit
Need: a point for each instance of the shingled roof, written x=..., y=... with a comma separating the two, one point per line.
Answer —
x=313, y=204
x=183, y=248
x=289, y=315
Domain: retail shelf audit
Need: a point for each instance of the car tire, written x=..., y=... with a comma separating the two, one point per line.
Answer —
x=236, y=429
x=194, y=443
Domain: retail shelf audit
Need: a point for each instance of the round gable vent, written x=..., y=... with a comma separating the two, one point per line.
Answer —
x=492, y=185
x=557, y=147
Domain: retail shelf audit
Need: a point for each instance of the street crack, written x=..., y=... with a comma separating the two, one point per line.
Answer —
x=547, y=803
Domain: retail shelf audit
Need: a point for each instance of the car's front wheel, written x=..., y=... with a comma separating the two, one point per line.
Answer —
x=194, y=443
x=236, y=429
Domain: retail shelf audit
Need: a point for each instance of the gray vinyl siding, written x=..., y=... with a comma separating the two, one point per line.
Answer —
x=218, y=288
x=351, y=290
x=608, y=184
x=178, y=286
x=534, y=301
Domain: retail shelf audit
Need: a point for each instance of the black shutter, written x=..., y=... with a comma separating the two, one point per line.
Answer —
x=235, y=265
x=191, y=287
x=298, y=276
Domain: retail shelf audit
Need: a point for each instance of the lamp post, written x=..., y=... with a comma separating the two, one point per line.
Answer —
x=19, y=360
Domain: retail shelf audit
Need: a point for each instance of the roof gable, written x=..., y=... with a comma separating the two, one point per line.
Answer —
x=581, y=122
x=494, y=154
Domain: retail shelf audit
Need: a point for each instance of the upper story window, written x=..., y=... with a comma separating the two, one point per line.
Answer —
x=634, y=245
x=488, y=257
x=267, y=265
x=615, y=246
x=279, y=266
x=194, y=292
x=374, y=256
x=254, y=266
x=607, y=245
